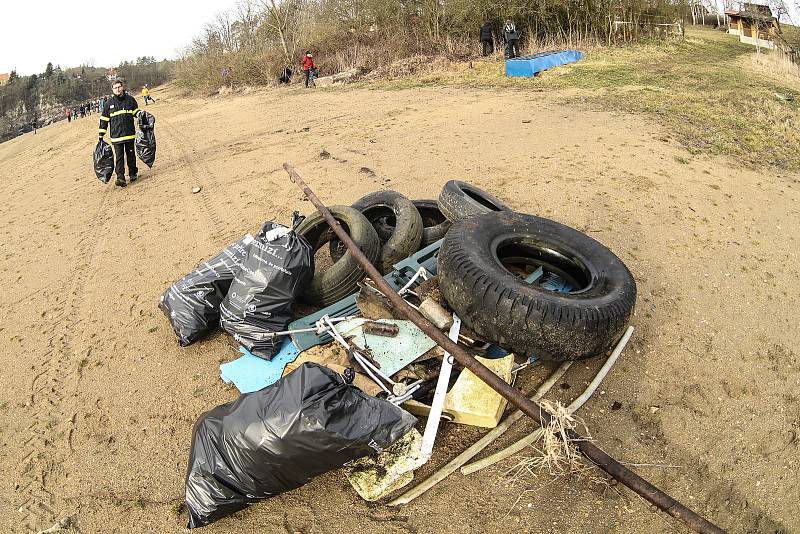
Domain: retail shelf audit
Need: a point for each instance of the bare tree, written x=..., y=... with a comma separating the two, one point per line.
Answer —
x=278, y=16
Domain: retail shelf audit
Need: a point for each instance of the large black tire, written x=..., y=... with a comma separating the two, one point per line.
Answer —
x=383, y=208
x=460, y=200
x=528, y=319
x=434, y=224
x=340, y=279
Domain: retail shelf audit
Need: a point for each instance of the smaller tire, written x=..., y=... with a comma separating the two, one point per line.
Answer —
x=460, y=200
x=389, y=209
x=340, y=279
x=434, y=224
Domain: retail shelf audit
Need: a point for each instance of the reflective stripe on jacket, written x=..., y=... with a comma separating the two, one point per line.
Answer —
x=117, y=118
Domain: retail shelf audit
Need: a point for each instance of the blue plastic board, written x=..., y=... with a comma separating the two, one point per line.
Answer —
x=528, y=66
x=250, y=373
x=406, y=269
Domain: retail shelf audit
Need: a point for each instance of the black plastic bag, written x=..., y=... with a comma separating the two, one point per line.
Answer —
x=146, y=138
x=279, y=438
x=192, y=303
x=278, y=268
x=103, y=161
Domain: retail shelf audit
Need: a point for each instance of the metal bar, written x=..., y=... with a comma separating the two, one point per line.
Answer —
x=599, y=457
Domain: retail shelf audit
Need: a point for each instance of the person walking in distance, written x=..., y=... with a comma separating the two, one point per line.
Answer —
x=117, y=119
x=146, y=94
x=308, y=64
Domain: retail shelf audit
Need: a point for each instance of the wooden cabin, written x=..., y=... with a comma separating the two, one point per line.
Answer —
x=754, y=24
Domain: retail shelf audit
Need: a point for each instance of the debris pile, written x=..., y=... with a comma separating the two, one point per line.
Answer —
x=513, y=289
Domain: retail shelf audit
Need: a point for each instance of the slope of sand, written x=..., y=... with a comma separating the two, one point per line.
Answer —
x=97, y=400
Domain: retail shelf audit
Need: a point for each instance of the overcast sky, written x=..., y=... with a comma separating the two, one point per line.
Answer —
x=71, y=33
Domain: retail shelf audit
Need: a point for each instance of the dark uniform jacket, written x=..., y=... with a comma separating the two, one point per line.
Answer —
x=117, y=118
x=486, y=32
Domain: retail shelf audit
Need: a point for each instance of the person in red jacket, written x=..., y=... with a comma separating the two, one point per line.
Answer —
x=308, y=64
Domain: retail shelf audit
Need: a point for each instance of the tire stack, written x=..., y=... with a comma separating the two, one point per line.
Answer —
x=387, y=227
x=533, y=286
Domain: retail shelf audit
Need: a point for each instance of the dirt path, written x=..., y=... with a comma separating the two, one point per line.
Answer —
x=97, y=401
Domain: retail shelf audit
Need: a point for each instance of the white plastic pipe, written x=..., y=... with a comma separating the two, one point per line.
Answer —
x=572, y=408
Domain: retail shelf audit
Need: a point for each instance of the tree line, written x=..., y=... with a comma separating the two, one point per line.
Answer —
x=251, y=43
x=43, y=97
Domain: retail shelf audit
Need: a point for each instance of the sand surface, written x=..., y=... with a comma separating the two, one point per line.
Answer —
x=97, y=400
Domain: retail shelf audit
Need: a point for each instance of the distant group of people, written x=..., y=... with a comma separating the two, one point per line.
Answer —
x=82, y=110
x=95, y=106
x=306, y=65
x=510, y=36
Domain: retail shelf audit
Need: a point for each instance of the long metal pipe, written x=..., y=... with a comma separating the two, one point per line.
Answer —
x=599, y=457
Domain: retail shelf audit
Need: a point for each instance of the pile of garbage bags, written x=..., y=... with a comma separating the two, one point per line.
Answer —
x=274, y=440
x=249, y=289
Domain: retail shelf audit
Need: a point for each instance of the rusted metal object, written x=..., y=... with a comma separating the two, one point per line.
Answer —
x=381, y=329
x=599, y=457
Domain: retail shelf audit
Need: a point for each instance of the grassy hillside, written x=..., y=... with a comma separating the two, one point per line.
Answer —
x=717, y=95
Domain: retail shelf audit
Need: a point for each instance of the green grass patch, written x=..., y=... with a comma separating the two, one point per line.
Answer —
x=706, y=89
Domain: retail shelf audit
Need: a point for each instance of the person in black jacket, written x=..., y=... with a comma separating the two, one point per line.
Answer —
x=117, y=119
x=487, y=39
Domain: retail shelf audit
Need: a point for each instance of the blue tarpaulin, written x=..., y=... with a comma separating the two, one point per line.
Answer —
x=527, y=66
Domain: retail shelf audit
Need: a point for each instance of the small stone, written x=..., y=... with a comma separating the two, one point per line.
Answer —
x=654, y=409
x=196, y=189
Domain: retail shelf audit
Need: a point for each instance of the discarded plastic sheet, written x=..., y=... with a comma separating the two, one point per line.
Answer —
x=391, y=353
x=375, y=477
x=250, y=373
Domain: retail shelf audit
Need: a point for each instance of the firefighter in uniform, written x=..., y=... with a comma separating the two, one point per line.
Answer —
x=116, y=118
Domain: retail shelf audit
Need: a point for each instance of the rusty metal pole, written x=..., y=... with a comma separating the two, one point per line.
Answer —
x=608, y=464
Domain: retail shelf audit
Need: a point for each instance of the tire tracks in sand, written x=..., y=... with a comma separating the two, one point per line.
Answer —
x=50, y=428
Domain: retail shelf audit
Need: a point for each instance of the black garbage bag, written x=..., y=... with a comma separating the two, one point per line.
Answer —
x=103, y=161
x=146, y=138
x=278, y=268
x=192, y=303
x=276, y=439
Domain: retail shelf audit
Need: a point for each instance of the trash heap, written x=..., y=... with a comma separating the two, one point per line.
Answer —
x=342, y=385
